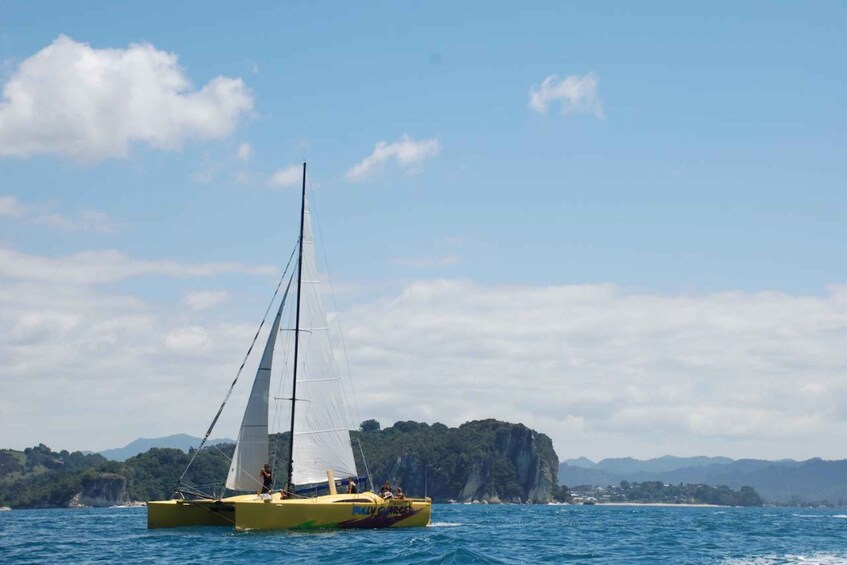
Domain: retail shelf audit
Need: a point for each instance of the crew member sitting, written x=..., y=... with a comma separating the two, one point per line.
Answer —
x=351, y=486
x=399, y=494
x=386, y=491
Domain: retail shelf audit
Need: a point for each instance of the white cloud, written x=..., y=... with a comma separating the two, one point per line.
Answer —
x=288, y=177
x=89, y=349
x=92, y=352
x=42, y=214
x=602, y=370
x=406, y=152
x=429, y=262
x=91, y=104
x=189, y=340
x=244, y=152
x=608, y=372
x=575, y=94
x=205, y=299
x=99, y=267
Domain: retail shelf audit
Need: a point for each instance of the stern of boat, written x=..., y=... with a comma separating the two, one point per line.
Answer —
x=182, y=513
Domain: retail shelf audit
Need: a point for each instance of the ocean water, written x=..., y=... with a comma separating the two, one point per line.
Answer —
x=458, y=534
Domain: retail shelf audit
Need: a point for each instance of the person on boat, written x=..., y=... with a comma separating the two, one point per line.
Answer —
x=351, y=486
x=285, y=492
x=386, y=490
x=398, y=494
x=267, y=479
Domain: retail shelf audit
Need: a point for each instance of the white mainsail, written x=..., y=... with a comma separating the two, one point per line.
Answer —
x=251, y=451
x=321, y=436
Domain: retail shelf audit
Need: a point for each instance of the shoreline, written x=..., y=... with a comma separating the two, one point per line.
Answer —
x=681, y=504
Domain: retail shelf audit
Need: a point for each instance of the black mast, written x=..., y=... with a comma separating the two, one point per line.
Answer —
x=289, y=485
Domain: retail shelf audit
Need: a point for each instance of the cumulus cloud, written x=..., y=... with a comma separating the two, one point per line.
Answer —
x=608, y=372
x=99, y=267
x=187, y=340
x=288, y=177
x=575, y=94
x=90, y=352
x=205, y=299
x=603, y=370
x=64, y=341
x=91, y=104
x=405, y=152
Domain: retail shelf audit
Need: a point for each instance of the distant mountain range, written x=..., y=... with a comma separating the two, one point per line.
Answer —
x=178, y=441
x=784, y=481
x=623, y=465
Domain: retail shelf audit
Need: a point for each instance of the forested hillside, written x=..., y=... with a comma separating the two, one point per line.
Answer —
x=484, y=460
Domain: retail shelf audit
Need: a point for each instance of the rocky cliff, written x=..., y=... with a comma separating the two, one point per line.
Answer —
x=105, y=489
x=485, y=461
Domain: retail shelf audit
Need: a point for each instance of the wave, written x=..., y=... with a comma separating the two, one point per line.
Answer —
x=811, y=559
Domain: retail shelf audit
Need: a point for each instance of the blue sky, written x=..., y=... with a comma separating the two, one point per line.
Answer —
x=702, y=163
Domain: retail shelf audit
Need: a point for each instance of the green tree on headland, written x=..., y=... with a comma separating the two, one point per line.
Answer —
x=659, y=492
x=485, y=459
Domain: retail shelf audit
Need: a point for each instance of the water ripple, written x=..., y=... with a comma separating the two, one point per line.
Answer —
x=460, y=534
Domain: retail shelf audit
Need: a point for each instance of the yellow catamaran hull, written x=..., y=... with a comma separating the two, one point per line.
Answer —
x=252, y=512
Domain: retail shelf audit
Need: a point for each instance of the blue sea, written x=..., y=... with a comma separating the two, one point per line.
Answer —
x=458, y=534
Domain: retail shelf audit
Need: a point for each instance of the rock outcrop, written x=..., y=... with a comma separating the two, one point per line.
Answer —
x=106, y=489
x=533, y=469
x=486, y=461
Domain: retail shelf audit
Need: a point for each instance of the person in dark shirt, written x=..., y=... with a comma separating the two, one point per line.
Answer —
x=267, y=479
x=351, y=486
x=386, y=490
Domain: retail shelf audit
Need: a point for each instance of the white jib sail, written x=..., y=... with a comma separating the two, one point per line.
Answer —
x=251, y=451
x=321, y=435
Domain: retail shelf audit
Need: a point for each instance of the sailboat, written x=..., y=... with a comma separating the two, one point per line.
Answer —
x=319, y=446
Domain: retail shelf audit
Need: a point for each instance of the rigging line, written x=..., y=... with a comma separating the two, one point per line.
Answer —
x=353, y=412
x=326, y=431
x=238, y=374
x=272, y=339
x=227, y=457
x=188, y=489
x=365, y=461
